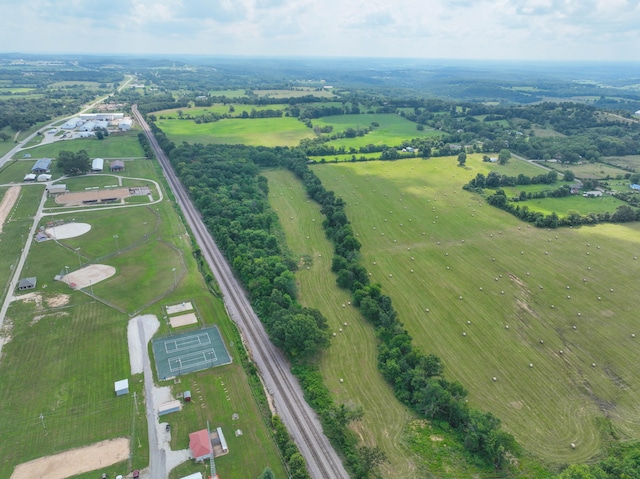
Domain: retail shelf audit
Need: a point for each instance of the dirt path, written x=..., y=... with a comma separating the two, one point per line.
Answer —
x=7, y=203
x=76, y=461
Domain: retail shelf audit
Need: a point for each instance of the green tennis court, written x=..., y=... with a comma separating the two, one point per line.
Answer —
x=189, y=352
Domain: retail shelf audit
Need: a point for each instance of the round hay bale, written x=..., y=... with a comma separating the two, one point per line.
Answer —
x=447, y=267
x=344, y=305
x=589, y=268
x=573, y=446
x=593, y=365
x=528, y=273
x=427, y=310
x=374, y=263
x=460, y=297
x=553, y=306
x=334, y=334
x=568, y=297
x=480, y=288
x=464, y=334
x=446, y=254
x=611, y=290
x=345, y=324
x=530, y=365
x=390, y=275
x=341, y=380
x=568, y=287
x=579, y=314
x=494, y=379
x=412, y=258
x=506, y=326
x=412, y=271
x=599, y=298
x=561, y=351
x=542, y=341
x=349, y=303
x=438, y=242
x=575, y=327
x=468, y=322
x=340, y=329
x=633, y=335
x=501, y=292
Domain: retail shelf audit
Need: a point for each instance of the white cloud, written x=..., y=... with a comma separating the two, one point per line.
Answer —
x=522, y=29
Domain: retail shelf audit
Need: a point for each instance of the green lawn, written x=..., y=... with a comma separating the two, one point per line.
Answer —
x=218, y=108
x=393, y=129
x=284, y=131
x=477, y=270
x=116, y=145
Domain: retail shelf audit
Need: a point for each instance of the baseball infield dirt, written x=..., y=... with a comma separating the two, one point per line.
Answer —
x=7, y=203
x=75, y=461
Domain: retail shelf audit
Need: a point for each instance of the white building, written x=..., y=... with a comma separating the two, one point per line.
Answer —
x=88, y=126
x=101, y=116
x=71, y=124
x=97, y=165
x=125, y=125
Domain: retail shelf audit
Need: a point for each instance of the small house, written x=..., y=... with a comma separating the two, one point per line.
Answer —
x=122, y=387
x=27, y=283
x=200, y=445
x=117, y=165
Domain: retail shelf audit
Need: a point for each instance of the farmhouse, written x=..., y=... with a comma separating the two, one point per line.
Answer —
x=121, y=387
x=200, y=445
x=42, y=166
x=97, y=165
x=27, y=283
x=117, y=165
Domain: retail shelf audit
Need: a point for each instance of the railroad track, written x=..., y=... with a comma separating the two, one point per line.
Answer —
x=301, y=421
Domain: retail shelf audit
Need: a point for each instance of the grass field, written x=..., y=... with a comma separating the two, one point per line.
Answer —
x=284, y=131
x=588, y=170
x=62, y=361
x=393, y=129
x=352, y=355
x=298, y=92
x=218, y=108
x=478, y=270
x=630, y=161
x=116, y=145
x=229, y=93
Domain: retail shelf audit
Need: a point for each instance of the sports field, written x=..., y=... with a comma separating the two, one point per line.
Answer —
x=189, y=352
x=549, y=314
x=117, y=145
x=284, y=131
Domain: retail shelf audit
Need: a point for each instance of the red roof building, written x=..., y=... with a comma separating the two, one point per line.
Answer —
x=200, y=445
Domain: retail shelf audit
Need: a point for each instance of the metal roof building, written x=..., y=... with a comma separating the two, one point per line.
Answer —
x=42, y=166
x=97, y=164
x=27, y=283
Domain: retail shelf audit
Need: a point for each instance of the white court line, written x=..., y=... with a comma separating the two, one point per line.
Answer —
x=193, y=360
x=189, y=342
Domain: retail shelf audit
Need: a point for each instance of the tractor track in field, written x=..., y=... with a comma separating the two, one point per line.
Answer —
x=301, y=421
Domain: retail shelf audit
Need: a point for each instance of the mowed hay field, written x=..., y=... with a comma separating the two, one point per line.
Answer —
x=285, y=131
x=352, y=355
x=460, y=272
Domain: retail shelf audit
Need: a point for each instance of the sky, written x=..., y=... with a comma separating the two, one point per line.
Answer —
x=448, y=29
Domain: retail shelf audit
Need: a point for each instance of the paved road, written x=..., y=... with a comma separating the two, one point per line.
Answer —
x=301, y=421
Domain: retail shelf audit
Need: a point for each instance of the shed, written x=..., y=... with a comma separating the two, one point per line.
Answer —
x=187, y=396
x=44, y=177
x=30, y=177
x=200, y=445
x=223, y=441
x=634, y=186
x=42, y=166
x=57, y=189
x=169, y=407
x=122, y=387
x=117, y=165
x=27, y=283
x=26, y=155
x=97, y=164
x=88, y=126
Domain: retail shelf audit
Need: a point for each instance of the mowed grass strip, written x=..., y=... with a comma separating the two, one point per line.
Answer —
x=116, y=145
x=435, y=246
x=284, y=131
x=352, y=355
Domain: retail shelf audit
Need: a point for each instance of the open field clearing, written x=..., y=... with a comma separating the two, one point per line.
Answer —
x=630, y=161
x=116, y=145
x=229, y=93
x=352, y=355
x=296, y=93
x=218, y=108
x=392, y=130
x=285, y=131
x=460, y=272
x=587, y=170
x=346, y=157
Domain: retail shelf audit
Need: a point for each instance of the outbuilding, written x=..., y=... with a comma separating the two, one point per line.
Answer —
x=223, y=441
x=27, y=283
x=97, y=165
x=125, y=125
x=30, y=177
x=117, y=165
x=200, y=445
x=44, y=177
x=169, y=407
x=122, y=387
x=42, y=166
x=57, y=189
x=195, y=475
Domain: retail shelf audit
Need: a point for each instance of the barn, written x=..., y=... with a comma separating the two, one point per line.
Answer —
x=57, y=189
x=97, y=165
x=122, y=387
x=125, y=125
x=117, y=165
x=200, y=445
x=169, y=407
x=27, y=283
x=42, y=166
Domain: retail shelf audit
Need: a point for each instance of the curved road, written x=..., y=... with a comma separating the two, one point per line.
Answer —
x=301, y=421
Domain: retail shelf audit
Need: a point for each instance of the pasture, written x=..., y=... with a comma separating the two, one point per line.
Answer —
x=284, y=131
x=549, y=314
x=588, y=170
x=295, y=93
x=352, y=354
x=116, y=145
x=627, y=162
x=218, y=108
x=392, y=130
